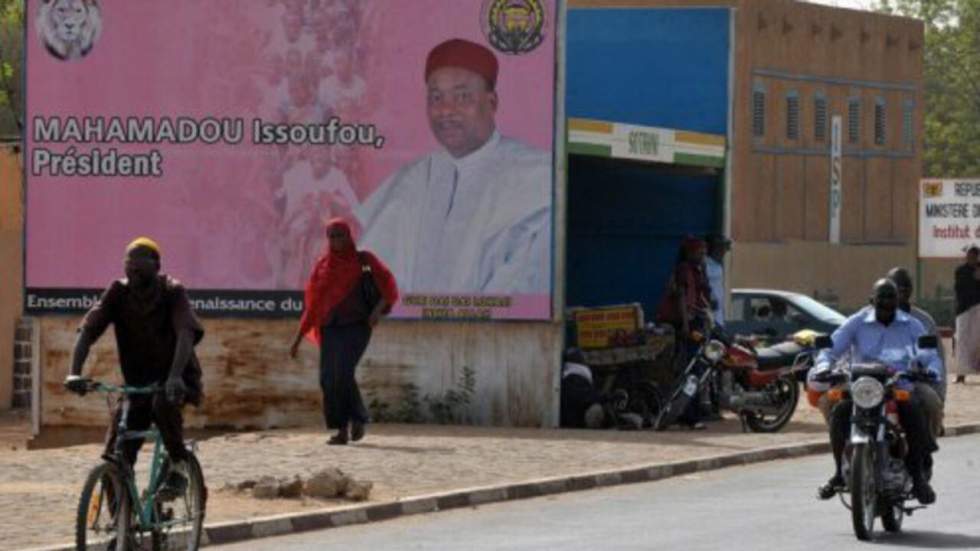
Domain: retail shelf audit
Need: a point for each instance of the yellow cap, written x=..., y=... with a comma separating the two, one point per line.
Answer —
x=144, y=242
x=805, y=337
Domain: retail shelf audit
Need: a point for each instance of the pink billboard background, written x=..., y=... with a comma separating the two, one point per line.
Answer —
x=246, y=216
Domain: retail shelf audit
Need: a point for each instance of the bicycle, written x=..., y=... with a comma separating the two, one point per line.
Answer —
x=115, y=516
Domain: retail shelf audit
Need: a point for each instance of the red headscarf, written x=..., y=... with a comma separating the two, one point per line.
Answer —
x=692, y=245
x=335, y=275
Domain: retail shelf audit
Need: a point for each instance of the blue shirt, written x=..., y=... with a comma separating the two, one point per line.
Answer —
x=867, y=340
x=716, y=279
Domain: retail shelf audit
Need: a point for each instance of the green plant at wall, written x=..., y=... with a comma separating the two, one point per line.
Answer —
x=11, y=66
x=450, y=407
x=453, y=406
x=408, y=409
x=952, y=83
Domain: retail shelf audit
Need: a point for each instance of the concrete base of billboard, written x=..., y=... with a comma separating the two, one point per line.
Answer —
x=251, y=383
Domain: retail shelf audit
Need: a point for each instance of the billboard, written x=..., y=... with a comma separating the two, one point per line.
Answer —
x=230, y=136
x=949, y=217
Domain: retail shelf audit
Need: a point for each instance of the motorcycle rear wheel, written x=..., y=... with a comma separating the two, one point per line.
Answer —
x=788, y=391
x=864, y=494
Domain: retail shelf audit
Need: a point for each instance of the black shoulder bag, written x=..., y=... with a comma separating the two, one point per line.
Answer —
x=369, y=289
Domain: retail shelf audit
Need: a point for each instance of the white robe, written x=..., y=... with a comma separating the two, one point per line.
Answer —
x=968, y=341
x=716, y=279
x=480, y=224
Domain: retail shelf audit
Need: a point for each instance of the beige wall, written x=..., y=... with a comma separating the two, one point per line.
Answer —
x=11, y=279
x=251, y=383
x=815, y=268
x=937, y=276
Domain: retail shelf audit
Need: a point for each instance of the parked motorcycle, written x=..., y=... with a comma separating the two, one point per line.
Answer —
x=873, y=464
x=759, y=384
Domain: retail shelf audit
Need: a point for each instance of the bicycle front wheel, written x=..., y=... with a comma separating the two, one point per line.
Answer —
x=179, y=522
x=103, y=519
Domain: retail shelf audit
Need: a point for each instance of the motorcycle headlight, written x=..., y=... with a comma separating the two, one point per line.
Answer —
x=714, y=351
x=867, y=392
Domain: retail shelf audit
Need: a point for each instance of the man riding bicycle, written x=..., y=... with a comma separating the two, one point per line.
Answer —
x=156, y=331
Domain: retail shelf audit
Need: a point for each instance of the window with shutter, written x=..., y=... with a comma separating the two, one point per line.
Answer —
x=792, y=116
x=758, y=113
x=908, y=124
x=881, y=127
x=853, y=121
x=820, y=118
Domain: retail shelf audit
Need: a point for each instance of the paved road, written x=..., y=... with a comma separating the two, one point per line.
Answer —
x=767, y=506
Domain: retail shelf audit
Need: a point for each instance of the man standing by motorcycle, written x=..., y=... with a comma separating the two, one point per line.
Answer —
x=875, y=335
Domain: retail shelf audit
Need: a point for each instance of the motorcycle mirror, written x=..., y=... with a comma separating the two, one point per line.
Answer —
x=823, y=341
x=928, y=342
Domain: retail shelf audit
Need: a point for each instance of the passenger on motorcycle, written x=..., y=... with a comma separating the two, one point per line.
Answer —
x=933, y=395
x=880, y=333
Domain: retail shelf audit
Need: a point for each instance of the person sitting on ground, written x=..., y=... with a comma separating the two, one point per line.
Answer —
x=578, y=393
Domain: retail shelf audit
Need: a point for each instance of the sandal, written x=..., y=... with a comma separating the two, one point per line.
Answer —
x=356, y=431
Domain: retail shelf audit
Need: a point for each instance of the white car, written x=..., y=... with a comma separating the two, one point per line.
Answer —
x=777, y=314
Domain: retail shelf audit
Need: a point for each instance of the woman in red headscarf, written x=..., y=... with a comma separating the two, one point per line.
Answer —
x=688, y=296
x=685, y=305
x=347, y=293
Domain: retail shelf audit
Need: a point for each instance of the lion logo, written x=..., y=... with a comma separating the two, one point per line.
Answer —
x=69, y=28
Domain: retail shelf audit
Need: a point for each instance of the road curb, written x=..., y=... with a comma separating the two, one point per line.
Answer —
x=290, y=523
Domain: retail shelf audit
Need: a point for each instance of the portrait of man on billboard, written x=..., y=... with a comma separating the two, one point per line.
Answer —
x=474, y=216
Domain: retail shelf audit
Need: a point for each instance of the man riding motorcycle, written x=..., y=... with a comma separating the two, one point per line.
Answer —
x=880, y=333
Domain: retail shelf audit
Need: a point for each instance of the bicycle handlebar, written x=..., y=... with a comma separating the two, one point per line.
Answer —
x=98, y=386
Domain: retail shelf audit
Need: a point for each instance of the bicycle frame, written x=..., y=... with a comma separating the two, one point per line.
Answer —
x=145, y=510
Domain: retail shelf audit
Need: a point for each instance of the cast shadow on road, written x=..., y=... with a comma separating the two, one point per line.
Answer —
x=930, y=540
x=434, y=450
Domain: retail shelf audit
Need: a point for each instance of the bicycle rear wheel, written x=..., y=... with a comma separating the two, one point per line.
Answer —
x=179, y=523
x=103, y=520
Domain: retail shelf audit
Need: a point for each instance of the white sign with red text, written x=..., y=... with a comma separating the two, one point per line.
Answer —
x=949, y=217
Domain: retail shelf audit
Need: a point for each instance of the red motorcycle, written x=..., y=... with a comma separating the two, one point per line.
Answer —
x=759, y=384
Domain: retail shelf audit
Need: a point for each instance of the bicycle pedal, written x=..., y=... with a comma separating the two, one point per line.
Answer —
x=172, y=488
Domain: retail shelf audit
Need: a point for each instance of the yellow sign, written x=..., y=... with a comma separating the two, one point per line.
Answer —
x=594, y=326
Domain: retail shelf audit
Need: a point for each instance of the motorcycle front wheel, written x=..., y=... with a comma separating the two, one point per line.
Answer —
x=891, y=517
x=671, y=409
x=786, y=393
x=864, y=492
